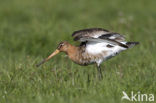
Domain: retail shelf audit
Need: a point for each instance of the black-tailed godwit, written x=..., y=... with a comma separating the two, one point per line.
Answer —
x=96, y=45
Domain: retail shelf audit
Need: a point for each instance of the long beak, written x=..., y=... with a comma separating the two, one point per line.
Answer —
x=49, y=57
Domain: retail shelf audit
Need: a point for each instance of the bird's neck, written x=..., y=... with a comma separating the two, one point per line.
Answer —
x=72, y=49
x=73, y=52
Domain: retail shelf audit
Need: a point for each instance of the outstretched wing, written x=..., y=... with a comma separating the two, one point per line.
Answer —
x=99, y=35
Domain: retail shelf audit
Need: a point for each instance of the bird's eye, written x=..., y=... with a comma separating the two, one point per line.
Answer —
x=60, y=45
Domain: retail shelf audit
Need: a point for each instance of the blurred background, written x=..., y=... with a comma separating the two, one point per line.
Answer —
x=31, y=29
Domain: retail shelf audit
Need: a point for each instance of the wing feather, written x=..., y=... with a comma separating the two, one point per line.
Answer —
x=97, y=33
x=103, y=40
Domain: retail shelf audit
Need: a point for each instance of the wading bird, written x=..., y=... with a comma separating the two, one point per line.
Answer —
x=96, y=45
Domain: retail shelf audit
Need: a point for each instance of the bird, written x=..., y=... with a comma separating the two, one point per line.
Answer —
x=96, y=46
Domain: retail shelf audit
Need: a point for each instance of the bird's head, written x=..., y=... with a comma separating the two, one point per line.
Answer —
x=62, y=47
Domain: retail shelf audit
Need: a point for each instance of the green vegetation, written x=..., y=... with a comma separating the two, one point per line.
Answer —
x=31, y=29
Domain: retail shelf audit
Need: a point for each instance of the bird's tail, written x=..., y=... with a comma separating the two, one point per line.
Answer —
x=131, y=44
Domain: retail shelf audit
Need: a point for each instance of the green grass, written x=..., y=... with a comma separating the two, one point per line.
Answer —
x=31, y=29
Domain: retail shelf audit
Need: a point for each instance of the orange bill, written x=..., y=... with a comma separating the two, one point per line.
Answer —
x=49, y=57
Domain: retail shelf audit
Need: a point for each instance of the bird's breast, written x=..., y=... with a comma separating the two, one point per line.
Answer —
x=82, y=57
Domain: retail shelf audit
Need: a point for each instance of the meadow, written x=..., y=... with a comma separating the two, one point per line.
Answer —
x=31, y=29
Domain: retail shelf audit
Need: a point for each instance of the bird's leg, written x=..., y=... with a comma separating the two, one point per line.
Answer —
x=99, y=72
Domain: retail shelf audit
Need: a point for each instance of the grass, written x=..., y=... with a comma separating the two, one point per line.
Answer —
x=31, y=29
